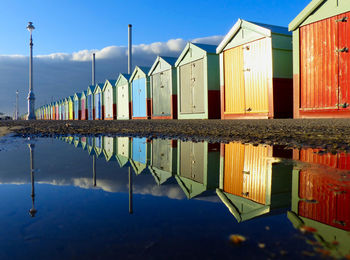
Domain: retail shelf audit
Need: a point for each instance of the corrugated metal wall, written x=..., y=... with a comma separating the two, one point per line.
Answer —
x=246, y=171
x=339, y=160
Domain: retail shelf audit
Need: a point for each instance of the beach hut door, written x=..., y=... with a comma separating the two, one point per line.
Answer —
x=123, y=101
x=197, y=86
x=161, y=154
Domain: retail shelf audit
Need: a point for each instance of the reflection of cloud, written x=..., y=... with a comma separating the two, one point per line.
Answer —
x=59, y=75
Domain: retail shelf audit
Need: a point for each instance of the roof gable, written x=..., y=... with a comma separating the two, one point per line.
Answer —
x=198, y=48
x=122, y=79
x=91, y=89
x=169, y=62
x=98, y=88
x=244, y=31
x=139, y=69
x=109, y=82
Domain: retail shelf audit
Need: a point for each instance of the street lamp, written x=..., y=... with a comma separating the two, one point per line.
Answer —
x=31, y=97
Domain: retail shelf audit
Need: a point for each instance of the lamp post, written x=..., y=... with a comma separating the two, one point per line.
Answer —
x=31, y=97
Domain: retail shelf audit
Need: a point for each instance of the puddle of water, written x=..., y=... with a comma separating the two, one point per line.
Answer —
x=120, y=197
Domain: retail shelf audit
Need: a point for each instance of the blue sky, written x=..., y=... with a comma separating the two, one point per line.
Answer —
x=69, y=31
x=72, y=25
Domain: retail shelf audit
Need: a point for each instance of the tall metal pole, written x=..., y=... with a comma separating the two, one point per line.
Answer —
x=17, y=110
x=129, y=49
x=93, y=70
x=94, y=170
x=31, y=97
x=130, y=192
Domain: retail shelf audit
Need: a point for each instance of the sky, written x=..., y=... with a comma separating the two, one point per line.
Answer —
x=68, y=31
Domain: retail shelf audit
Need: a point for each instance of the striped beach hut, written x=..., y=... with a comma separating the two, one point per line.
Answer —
x=321, y=60
x=163, y=82
x=140, y=93
x=66, y=109
x=109, y=100
x=91, y=102
x=83, y=103
x=256, y=71
x=198, y=80
x=98, y=101
x=57, y=113
x=77, y=106
x=61, y=109
x=123, y=97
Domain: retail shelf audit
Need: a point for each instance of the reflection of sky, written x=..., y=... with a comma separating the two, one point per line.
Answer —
x=76, y=219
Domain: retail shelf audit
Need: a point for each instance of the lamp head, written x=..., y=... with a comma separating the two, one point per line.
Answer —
x=30, y=26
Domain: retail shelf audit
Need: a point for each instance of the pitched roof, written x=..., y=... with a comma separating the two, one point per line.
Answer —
x=170, y=60
x=264, y=29
x=205, y=47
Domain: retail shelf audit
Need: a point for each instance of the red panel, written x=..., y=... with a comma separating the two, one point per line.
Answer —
x=344, y=62
x=213, y=104
x=325, y=197
x=319, y=65
x=174, y=106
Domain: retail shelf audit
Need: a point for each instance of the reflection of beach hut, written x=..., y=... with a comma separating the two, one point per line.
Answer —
x=140, y=154
x=163, y=82
x=109, y=147
x=83, y=108
x=109, y=100
x=140, y=93
x=90, y=145
x=83, y=141
x=321, y=60
x=256, y=71
x=71, y=107
x=98, y=145
x=123, y=97
x=163, y=163
x=77, y=106
x=91, y=102
x=98, y=102
x=76, y=141
x=321, y=198
x=198, y=85
x=123, y=150
x=197, y=167
x=251, y=183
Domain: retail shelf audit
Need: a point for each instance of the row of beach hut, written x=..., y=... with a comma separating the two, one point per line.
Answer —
x=257, y=71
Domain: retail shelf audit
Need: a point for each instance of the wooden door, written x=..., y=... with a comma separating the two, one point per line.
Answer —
x=156, y=95
x=123, y=102
x=257, y=75
x=185, y=89
x=165, y=93
x=123, y=146
x=234, y=81
x=135, y=98
x=161, y=154
x=197, y=85
x=197, y=162
x=319, y=65
x=139, y=150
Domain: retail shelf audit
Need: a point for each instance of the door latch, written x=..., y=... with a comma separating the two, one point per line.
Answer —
x=246, y=70
x=345, y=49
x=249, y=109
x=345, y=105
x=344, y=19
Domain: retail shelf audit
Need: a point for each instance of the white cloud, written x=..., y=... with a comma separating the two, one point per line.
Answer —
x=59, y=75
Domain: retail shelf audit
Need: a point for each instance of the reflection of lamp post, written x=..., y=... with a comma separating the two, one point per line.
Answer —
x=32, y=211
x=130, y=192
x=94, y=170
x=31, y=97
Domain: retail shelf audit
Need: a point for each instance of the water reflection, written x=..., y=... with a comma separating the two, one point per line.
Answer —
x=252, y=182
x=321, y=199
x=249, y=182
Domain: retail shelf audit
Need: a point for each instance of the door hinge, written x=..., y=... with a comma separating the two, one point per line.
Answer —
x=345, y=49
x=344, y=19
x=246, y=70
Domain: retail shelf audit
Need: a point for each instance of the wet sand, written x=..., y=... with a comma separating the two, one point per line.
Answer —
x=331, y=134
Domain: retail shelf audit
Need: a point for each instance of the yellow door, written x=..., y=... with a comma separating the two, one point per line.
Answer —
x=257, y=57
x=234, y=81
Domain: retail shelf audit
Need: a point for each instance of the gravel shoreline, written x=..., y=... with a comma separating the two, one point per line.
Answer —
x=330, y=134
